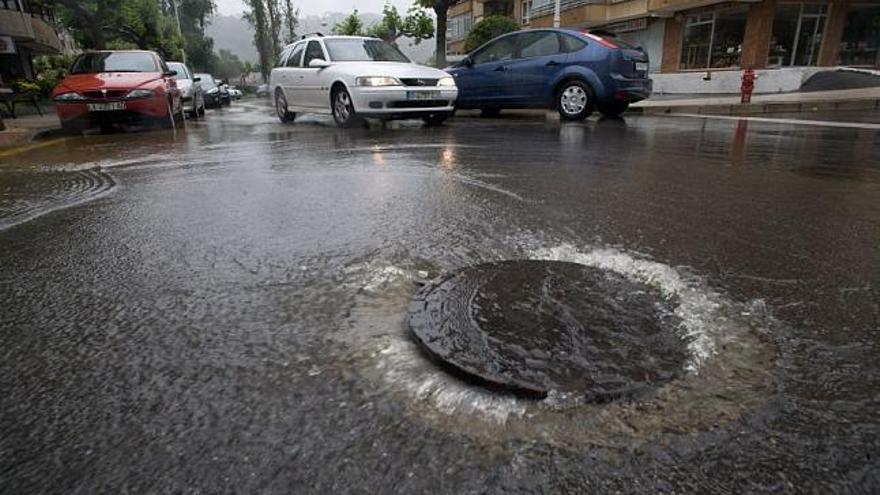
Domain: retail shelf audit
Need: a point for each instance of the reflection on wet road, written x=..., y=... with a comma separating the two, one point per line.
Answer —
x=224, y=309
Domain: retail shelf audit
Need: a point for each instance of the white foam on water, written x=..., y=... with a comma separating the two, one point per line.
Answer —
x=403, y=366
x=698, y=306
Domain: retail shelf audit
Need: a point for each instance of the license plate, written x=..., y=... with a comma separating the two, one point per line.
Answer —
x=422, y=95
x=642, y=66
x=106, y=107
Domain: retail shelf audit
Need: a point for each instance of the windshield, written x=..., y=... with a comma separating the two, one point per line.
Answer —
x=91, y=63
x=178, y=67
x=206, y=80
x=363, y=50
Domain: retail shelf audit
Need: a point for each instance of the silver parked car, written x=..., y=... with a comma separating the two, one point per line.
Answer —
x=190, y=89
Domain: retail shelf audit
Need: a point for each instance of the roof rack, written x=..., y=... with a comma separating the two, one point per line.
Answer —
x=316, y=33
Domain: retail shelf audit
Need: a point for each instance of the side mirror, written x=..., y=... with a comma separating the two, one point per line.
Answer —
x=467, y=62
x=317, y=63
x=171, y=73
x=197, y=79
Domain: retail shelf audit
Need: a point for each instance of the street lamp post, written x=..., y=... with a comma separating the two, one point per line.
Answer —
x=180, y=31
x=556, y=13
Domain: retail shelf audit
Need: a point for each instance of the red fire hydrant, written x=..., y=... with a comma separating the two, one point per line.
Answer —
x=748, y=85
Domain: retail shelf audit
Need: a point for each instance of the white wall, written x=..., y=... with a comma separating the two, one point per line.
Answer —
x=729, y=81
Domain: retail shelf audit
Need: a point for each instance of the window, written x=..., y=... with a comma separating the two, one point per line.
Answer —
x=860, y=44
x=539, y=44
x=114, y=62
x=282, y=59
x=713, y=39
x=797, y=34
x=501, y=49
x=295, y=58
x=363, y=50
x=571, y=44
x=525, y=11
x=313, y=51
x=459, y=27
x=182, y=72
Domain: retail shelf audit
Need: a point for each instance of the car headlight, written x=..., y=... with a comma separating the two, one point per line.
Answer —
x=140, y=93
x=446, y=81
x=70, y=96
x=378, y=81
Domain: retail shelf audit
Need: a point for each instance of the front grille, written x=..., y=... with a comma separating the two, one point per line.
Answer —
x=101, y=95
x=418, y=104
x=412, y=81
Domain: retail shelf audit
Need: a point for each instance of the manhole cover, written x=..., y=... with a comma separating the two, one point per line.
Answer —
x=535, y=326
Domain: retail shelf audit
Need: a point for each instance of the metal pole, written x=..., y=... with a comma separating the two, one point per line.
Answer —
x=179, y=31
x=556, y=13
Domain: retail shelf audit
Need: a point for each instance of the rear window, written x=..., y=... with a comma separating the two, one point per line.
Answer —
x=206, y=81
x=608, y=37
x=91, y=63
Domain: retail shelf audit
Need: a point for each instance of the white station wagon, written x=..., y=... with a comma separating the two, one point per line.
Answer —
x=353, y=77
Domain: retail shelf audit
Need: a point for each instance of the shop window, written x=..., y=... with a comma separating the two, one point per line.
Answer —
x=860, y=44
x=797, y=34
x=713, y=39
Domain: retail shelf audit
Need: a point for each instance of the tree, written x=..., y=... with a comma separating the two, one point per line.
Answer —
x=416, y=25
x=273, y=9
x=227, y=65
x=441, y=9
x=291, y=21
x=487, y=29
x=350, y=26
x=258, y=19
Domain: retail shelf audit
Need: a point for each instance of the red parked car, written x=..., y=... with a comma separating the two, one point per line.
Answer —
x=118, y=87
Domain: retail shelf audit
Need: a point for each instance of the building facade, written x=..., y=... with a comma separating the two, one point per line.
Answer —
x=701, y=35
x=27, y=30
x=463, y=15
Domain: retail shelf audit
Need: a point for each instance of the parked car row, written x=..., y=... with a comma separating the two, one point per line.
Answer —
x=351, y=77
x=106, y=88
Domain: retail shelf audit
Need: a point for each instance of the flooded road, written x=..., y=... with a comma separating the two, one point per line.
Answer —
x=223, y=310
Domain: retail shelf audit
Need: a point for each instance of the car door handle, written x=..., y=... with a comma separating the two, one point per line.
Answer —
x=500, y=68
x=552, y=63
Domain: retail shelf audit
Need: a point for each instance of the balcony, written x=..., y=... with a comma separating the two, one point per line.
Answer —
x=30, y=28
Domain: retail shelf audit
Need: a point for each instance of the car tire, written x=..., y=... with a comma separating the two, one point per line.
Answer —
x=436, y=119
x=490, y=112
x=574, y=100
x=284, y=115
x=343, y=108
x=613, y=109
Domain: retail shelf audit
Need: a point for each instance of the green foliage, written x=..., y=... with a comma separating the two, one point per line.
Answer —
x=490, y=27
x=417, y=25
x=25, y=86
x=350, y=26
x=50, y=70
x=227, y=65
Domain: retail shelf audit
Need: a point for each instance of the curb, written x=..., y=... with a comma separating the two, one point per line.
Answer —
x=10, y=138
x=758, y=108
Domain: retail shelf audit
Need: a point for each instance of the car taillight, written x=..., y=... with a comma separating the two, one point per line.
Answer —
x=602, y=41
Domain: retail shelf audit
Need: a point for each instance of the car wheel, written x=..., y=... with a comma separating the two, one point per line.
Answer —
x=574, y=100
x=343, y=109
x=613, y=109
x=490, y=112
x=436, y=118
x=284, y=115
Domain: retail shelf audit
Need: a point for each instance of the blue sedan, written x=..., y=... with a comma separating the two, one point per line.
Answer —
x=571, y=71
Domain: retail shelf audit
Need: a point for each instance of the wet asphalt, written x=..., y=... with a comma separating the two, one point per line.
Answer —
x=222, y=309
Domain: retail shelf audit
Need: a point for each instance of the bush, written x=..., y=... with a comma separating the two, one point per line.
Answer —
x=50, y=70
x=490, y=27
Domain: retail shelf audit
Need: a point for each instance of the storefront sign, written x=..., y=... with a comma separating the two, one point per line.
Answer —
x=7, y=45
x=628, y=26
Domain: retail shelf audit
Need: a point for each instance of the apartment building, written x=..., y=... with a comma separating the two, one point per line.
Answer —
x=27, y=30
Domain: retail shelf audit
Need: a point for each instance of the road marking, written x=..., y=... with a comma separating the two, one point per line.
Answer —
x=824, y=123
x=29, y=147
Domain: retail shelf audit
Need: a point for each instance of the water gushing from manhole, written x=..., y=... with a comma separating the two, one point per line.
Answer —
x=541, y=326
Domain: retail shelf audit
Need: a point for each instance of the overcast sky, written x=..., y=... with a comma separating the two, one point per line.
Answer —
x=236, y=7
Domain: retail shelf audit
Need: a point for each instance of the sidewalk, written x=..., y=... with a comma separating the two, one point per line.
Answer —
x=24, y=129
x=846, y=99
